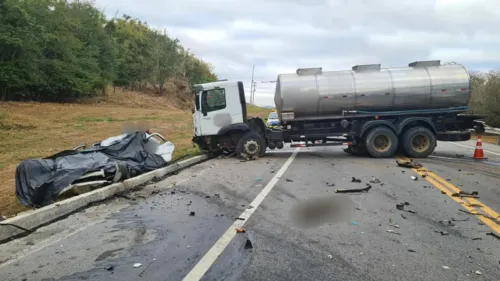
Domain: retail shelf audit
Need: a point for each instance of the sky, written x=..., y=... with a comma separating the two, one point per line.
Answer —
x=279, y=36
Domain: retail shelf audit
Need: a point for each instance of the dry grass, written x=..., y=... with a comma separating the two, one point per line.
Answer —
x=30, y=130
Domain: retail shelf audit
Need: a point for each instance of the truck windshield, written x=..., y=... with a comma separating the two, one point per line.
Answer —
x=273, y=115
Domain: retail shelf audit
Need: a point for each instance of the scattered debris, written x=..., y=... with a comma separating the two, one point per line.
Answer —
x=448, y=179
x=354, y=190
x=403, y=216
x=359, y=209
x=217, y=195
x=424, y=175
x=478, y=272
x=400, y=206
x=444, y=232
x=411, y=251
x=172, y=192
x=248, y=245
x=288, y=180
x=375, y=180
x=411, y=211
x=445, y=267
x=459, y=155
x=250, y=207
x=414, y=178
x=240, y=219
x=461, y=193
x=355, y=180
x=110, y=268
x=466, y=219
x=409, y=164
x=443, y=192
x=240, y=230
x=330, y=256
x=136, y=265
x=191, y=214
x=259, y=179
x=393, y=232
x=355, y=223
x=394, y=225
x=474, y=205
x=330, y=184
x=494, y=235
x=477, y=238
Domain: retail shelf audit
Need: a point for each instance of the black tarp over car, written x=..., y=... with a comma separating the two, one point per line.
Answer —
x=39, y=181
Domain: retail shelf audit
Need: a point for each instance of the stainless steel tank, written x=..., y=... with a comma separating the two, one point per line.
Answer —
x=315, y=94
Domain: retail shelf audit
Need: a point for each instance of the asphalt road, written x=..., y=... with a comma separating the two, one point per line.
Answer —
x=430, y=239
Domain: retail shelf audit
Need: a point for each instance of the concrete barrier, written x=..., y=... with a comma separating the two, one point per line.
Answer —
x=33, y=219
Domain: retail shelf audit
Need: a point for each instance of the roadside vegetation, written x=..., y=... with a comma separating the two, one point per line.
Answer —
x=69, y=75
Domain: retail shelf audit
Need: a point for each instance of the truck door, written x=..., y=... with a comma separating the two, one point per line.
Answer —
x=213, y=113
x=197, y=115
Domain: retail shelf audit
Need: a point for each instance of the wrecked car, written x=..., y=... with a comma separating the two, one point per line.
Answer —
x=41, y=181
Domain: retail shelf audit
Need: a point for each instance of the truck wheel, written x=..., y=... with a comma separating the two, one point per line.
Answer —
x=252, y=145
x=419, y=142
x=381, y=142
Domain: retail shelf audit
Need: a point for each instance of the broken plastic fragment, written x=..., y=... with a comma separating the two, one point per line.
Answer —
x=240, y=230
x=445, y=267
x=136, y=265
x=414, y=178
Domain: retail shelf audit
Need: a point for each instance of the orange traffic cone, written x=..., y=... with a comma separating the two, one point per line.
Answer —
x=478, y=152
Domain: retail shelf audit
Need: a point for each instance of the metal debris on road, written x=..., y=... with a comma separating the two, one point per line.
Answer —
x=393, y=232
x=409, y=164
x=248, y=245
x=354, y=190
x=355, y=180
x=494, y=235
x=240, y=230
x=411, y=251
x=468, y=195
x=136, y=265
x=414, y=178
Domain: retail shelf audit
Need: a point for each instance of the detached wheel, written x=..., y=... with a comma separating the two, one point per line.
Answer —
x=381, y=142
x=419, y=142
x=252, y=145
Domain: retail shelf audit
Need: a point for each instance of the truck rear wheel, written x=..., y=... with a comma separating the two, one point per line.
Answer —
x=251, y=145
x=381, y=142
x=419, y=142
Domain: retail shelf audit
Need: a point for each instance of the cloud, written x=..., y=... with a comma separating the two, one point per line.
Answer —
x=279, y=36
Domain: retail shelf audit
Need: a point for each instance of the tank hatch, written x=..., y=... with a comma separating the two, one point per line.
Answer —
x=425, y=63
x=366, y=67
x=310, y=71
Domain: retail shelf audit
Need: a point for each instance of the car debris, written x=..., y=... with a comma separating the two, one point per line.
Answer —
x=409, y=164
x=411, y=251
x=330, y=184
x=473, y=194
x=444, y=232
x=393, y=232
x=375, y=180
x=354, y=190
x=445, y=267
x=459, y=155
x=494, y=235
x=288, y=180
x=466, y=219
x=414, y=178
x=478, y=272
x=192, y=214
x=330, y=256
x=477, y=238
x=110, y=268
x=403, y=216
x=136, y=265
x=355, y=180
x=240, y=230
x=248, y=245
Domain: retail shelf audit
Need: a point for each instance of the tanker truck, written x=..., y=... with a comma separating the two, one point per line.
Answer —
x=376, y=111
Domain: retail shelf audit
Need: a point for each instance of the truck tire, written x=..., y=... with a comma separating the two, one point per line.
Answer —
x=251, y=144
x=381, y=142
x=419, y=142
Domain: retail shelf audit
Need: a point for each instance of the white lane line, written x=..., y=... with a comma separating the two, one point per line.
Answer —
x=211, y=256
x=488, y=151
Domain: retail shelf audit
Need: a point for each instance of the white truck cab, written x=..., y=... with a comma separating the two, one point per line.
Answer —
x=218, y=105
x=220, y=119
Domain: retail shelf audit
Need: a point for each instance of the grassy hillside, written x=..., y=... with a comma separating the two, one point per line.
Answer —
x=30, y=130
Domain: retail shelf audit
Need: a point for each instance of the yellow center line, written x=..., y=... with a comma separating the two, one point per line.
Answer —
x=449, y=189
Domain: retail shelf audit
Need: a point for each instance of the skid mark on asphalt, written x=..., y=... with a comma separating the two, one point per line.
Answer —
x=472, y=205
x=211, y=256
